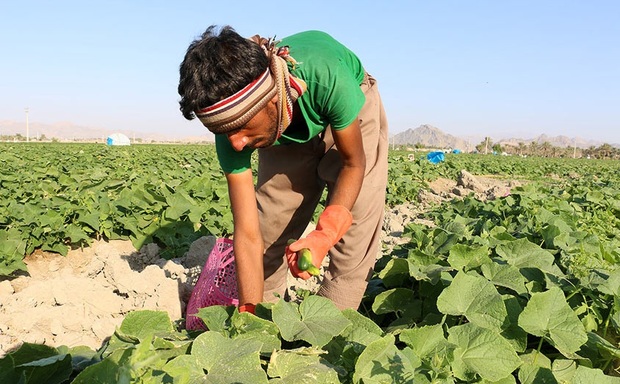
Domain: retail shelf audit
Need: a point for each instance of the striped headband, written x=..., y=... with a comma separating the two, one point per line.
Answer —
x=235, y=111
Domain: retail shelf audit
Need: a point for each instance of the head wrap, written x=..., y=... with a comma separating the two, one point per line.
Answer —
x=236, y=110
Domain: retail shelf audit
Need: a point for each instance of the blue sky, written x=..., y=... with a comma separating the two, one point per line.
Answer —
x=498, y=68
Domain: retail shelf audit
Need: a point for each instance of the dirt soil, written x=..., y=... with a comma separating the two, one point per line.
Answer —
x=81, y=298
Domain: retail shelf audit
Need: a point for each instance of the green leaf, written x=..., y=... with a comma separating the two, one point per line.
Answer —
x=179, y=204
x=216, y=317
x=124, y=202
x=8, y=374
x=104, y=372
x=300, y=367
x=28, y=352
x=81, y=356
x=51, y=370
x=36, y=364
x=595, y=197
x=611, y=285
x=56, y=247
x=10, y=263
x=91, y=219
x=76, y=234
x=228, y=360
x=361, y=329
x=316, y=320
x=548, y=315
x=553, y=231
x=481, y=351
x=522, y=253
x=130, y=223
x=395, y=272
x=564, y=370
x=585, y=375
x=425, y=341
x=468, y=257
x=382, y=362
x=442, y=242
x=515, y=335
x=250, y=327
x=145, y=323
x=536, y=369
x=506, y=380
x=602, y=346
x=431, y=273
x=476, y=298
x=343, y=350
x=505, y=275
x=393, y=300
x=11, y=244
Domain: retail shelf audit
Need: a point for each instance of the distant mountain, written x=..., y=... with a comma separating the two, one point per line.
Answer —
x=434, y=137
x=66, y=131
x=430, y=136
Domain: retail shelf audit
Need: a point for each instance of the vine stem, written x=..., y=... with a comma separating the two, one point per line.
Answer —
x=538, y=350
x=606, y=325
x=573, y=293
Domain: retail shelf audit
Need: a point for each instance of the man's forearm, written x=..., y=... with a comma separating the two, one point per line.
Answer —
x=348, y=186
x=249, y=266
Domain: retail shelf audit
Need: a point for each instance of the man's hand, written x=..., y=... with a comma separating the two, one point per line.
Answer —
x=332, y=225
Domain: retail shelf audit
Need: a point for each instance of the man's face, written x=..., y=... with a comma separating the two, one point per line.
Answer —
x=260, y=132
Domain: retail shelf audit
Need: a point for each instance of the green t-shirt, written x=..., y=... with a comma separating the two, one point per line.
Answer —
x=333, y=75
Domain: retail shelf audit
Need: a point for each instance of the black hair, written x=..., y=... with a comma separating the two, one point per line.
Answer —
x=216, y=66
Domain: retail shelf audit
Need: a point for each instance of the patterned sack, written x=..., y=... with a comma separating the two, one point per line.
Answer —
x=217, y=284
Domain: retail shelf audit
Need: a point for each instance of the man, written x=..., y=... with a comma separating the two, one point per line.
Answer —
x=317, y=120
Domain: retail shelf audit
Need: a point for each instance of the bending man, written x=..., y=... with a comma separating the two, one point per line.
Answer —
x=316, y=118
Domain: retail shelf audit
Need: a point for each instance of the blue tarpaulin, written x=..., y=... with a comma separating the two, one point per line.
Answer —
x=456, y=151
x=436, y=157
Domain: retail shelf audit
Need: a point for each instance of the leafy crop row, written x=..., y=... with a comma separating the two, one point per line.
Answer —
x=54, y=197
x=523, y=289
x=527, y=284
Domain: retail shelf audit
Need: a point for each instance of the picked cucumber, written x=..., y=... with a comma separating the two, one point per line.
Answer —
x=304, y=261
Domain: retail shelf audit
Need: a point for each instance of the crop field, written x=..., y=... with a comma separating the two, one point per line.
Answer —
x=518, y=288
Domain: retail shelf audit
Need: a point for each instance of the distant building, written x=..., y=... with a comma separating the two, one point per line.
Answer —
x=118, y=139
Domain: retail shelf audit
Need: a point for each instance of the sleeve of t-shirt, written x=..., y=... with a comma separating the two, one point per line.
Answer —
x=230, y=160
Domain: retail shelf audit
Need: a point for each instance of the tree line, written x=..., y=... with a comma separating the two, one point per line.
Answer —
x=546, y=149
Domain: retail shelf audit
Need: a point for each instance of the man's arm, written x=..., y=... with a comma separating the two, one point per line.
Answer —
x=247, y=239
x=336, y=218
x=351, y=148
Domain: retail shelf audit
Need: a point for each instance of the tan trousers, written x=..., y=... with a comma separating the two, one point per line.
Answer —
x=291, y=180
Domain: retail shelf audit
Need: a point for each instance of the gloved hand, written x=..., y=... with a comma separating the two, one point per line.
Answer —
x=333, y=223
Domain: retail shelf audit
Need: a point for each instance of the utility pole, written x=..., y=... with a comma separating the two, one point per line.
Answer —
x=27, y=127
x=575, y=148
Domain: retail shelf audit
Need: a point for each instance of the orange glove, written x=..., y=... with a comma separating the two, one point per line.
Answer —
x=332, y=225
x=247, y=308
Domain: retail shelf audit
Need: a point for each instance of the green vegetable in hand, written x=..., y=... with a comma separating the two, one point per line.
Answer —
x=304, y=261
